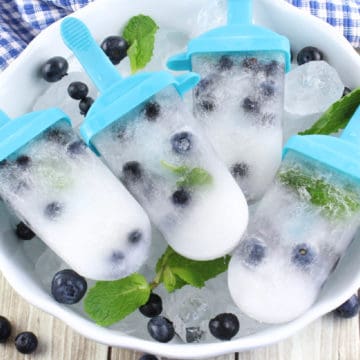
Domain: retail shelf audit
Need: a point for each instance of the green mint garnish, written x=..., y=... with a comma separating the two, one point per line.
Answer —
x=189, y=177
x=140, y=34
x=55, y=174
x=337, y=116
x=335, y=202
x=111, y=301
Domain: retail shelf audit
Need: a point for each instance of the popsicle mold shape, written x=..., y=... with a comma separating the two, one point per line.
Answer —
x=150, y=141
x=69, y=198
x=301, y=227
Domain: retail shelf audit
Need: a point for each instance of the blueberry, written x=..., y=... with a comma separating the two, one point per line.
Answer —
x=251, y=64
x=4, y=164
x=26, y=342
x=193, y=334
x=53, y=210
x=23, y=161
x=54, y=69
x=161, y=329
x=135, y=236
x=132, y=171
x=77, y=147
x=272, y=68
x=68, y=287
x=115, y=47
x=85, y=105
x=58, y=135
x=349, y=309
x=148, y=357
x=152, y=110
x=5, y=329
x=204, y=85
x=78, y=90
x=267, y=88
x=225, y=63
x=181, y=197
x=308, y=54
x=240, y=170
x=207, y=105
x=303, y=255
x=117, y=256
x=253, y=251
x=250, y=105
x=224, y=326
x=347, y=91
x=153, y=307
x=182, y=142
x=23, y=232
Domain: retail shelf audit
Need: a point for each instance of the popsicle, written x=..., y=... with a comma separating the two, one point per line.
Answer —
x=69, y=198
x=239, y=100
x=150, y=141
x=301, y=227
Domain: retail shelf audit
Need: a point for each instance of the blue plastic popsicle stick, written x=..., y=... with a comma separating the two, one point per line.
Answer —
x=79, y=40
x=239, y=12
x=3, y=118
x=352, y=131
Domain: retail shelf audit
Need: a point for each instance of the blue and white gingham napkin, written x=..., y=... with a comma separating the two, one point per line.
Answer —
x=22, y=20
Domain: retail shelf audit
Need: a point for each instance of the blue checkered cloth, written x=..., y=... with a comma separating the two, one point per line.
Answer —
x=22, y=20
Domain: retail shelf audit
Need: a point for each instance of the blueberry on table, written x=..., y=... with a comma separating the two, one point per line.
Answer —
x=225, y=63
x=132, y=171
x=253, y=251
x=23, y=161
x=224, y=326
x=77, y=147
x=349, y=309
x=182, y=142
x=181, y=197
x=85, y=105
x=68, y=287
x=24, y=232
x=78, y=90
x=5, y=329
x=54, y=69
x=58, y=135
x=115, y=47
x=240, y=170
x=148, y=357
x=346, y=91
x=250, y=105
x=53, y=210
x=152, y=110
x=309, y=53
x=153, y=307
x=303, y=255
x=26, y=342
x=161, y=329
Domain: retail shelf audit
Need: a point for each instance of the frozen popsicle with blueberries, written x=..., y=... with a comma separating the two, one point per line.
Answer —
x=239, y=100
x=301, y=227
x=150, y=141
x=69, y=198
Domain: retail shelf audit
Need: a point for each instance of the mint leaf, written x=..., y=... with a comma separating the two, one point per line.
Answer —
x=140, y=34
x=196, y=177
x=110, y=301
x=178, y=170
x=337, y=116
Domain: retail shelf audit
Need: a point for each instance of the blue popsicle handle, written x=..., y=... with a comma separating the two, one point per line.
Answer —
x=78, y=39
x=239, y=12
x=352, y=131
x=3, y=118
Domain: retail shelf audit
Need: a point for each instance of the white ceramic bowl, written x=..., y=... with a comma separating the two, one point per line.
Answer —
x=20, y=85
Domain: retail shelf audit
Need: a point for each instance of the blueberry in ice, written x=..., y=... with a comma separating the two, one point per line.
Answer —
x=117, y=256
x=193, y=334
x=53, y=210
x=251, y=63
x=204, y=85
x=250, y=105
x=182, y=142
x=58, y=135
x=272, y=68
x=26, y=342
x=115, y=47
x=23, y=161
x=4, y=164
x=85, y=105
x=207, y=105
x=224, y=326
x=77, y=147
x=54, y=69
x=181, y=197
x=161, y=329
x=153, y=307
x=78, y=90
x=303, y=255
x=24, y=232
x=225, y=63
x=350, y=308
x=5, y=329
x=253, y=251
x=346, y=91
x=68, y=287
x=135, y=236
x=240, y=170
x=267, y=119
x=309, y=53
x=132, y=171
x=152, y=110
x=267, y=88
x=148, y=357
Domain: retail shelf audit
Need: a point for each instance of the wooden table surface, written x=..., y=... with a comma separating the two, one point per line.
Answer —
x=329, y=338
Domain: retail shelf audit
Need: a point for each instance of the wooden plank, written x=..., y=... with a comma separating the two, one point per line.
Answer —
x=56, y=340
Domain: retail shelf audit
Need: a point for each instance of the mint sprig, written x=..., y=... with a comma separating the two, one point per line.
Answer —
x=140, y=34
x=111, y=301
x=337, y=116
